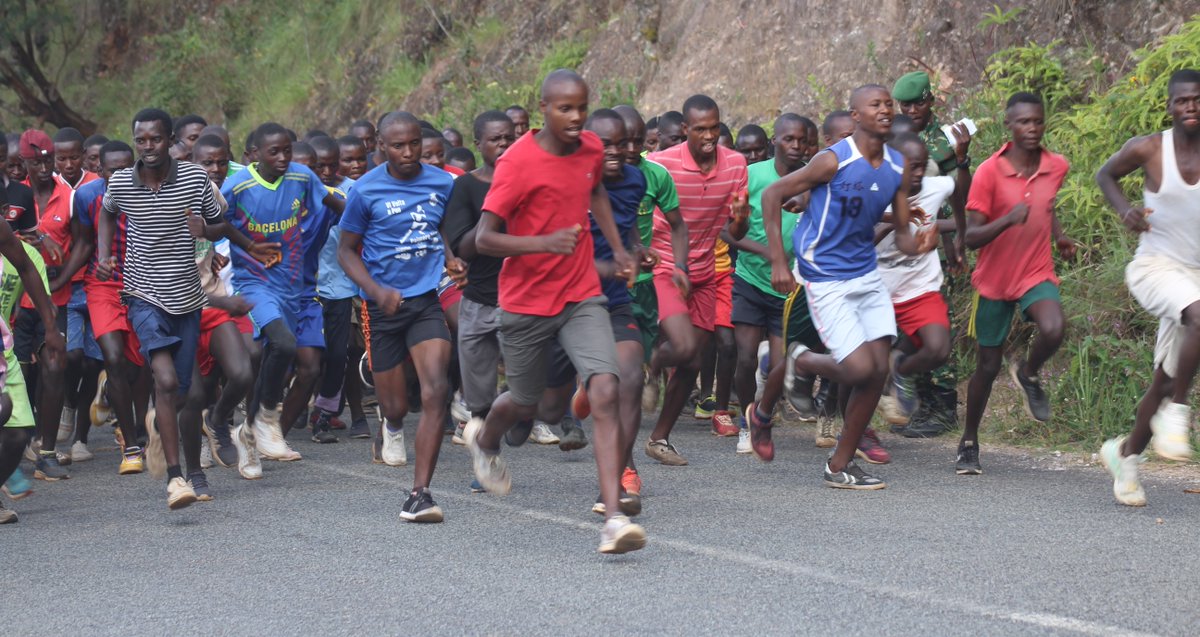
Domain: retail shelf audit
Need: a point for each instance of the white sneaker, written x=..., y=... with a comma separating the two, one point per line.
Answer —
x=1124, y=471
x=179, y=494
x=394, y=453
x=268, y=437
x=206, y=461
x=743, y=445
x=621, y=536
x=66, y=425
x=291, y=455
x=248, y=464
x=458, y=408
x=80, y=452
x=1171, y=426
x=490, y=469
x=542, y=435
x=760, y=375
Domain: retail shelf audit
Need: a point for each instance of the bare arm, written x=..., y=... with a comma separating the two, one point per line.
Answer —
x=981, y=232
x=744, y=244
x=492, y=241
x=820, y=170
x=1133, y=155
x=350, y=258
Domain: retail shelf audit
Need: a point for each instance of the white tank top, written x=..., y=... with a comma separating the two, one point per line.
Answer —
x=1175, y=220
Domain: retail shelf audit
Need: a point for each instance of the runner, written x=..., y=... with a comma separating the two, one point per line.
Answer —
x=365, y=132
x=520, y=119
x=1164, y=277
x=91, y=153
x=836, y=256
x=393, y=215
x=670, y=130
x=837, y=126
x=548, y=289
x=462, y=159
x=22, y=212
x=68, y=157
x=651, y=143
x=752, y=143
x=187, y=130
x=352, y=157
x=453, y=137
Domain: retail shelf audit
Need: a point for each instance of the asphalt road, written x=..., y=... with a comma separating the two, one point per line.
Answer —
x=735, y=547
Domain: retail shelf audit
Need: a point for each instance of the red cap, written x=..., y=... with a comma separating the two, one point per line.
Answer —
x=35, y=143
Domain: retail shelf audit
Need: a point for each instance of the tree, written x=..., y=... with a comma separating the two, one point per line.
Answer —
x=31, y=34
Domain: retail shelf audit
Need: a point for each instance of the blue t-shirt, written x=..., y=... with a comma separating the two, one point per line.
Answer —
x=626, y=196
x=399, y=221
x=835, y=237
x=275, y=213
x=332, y=282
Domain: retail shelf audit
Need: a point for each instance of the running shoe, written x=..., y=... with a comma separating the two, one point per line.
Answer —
x=220, y=441
x=889, y=408
x=80, y=452
x=393, y=452
x=665, y=452
x=48, y=468
x=420, y=507
x=1171, y=425
x=542, y=435
x=903, y=389
x=457, y=438
x=268, y=436
x=322, y=433
x=476, y=487
x=100, y=411
x=743, y=443
x=722, y=424
x=620, y=535
x=629, y=503
x=458, y=408
x=871, y=450
x=852, y=477
x=967, y=463
x=132, y=461
x=360, y=429
x=17, y=487
x=573, y=437
x=1124, y=470
x=248, y=464
x=759, y=431
x=66, y=425
x=199, y=483
x=7, y=515
x=179, y=494
x=336, y=424
x=579, y=403
x=705, y=408
x=156, y=462
x=1037, y=404
x=488, y=466
x=793, y=389
x=631, y=481
x=827, y=432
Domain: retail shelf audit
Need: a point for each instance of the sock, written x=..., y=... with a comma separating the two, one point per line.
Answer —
x=173, y=472
x=393, y=427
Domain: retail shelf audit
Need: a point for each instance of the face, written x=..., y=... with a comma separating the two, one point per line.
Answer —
x=812, y=145
x=14, y=166
x=791, y=144
x=495, y=138
x=189, y=134
x=367, y=135
x=1027, y=125
x=919, y=111
x=68, y=160
x=41, y=169
x=402, y=146
x=327, y=167
x=636, y=129
x=651, y=140
x=1183, y=105
x=179, y=152
x=752, y=147
x=565, y=110
x=670, y=134
x=873, y=111
x=306, y=158
x=453, y=137
x=616, y=145
x=352, y=161
x=214, y=161
x=91, y=158
x=274, y=155
x=152, y=142
x=702, y=128
x=113, y=162
x=839, y=129
x=433, y=152
x=917, y=157
x=520, y=120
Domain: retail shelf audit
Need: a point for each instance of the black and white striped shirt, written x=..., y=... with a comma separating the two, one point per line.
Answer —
x=160, y=264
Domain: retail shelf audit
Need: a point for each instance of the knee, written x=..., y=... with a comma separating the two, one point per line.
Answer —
x=602, y=389
x=938, y=346
x=434, y=390
x=166, y=383
x=239, y=379
x=114, y=360
x=309, y=369
x=1053, y=328
x=988, y=366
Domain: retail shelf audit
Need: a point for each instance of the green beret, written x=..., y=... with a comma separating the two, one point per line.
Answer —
x=912, y=87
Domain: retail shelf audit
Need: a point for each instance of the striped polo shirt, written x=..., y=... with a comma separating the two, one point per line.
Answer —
x=704, y=204
x=160, y=265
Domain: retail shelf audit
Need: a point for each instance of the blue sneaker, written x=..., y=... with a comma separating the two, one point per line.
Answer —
x=476, y=487
x=17, y=486
x=47, y=468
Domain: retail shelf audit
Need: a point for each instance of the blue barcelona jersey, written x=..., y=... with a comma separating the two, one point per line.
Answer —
x=626, y=196
x=314, y=228
x=279, y=212
x=835, y=237
x=399, y=221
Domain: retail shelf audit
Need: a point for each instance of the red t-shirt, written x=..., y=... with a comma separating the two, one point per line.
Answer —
x=537, y=193
x=55, y=221
x=1019, y=258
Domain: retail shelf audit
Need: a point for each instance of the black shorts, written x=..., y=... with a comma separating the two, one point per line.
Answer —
x=752, y=306
x=560, y=371
x=29, y=334
x=389, y=338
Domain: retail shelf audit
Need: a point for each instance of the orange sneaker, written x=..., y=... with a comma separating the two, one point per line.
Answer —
x=631, y=482
x=722, y=424
x=579, y=403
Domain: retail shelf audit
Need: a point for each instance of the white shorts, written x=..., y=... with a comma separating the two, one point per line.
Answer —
x=1165, y=288
x=849, y=313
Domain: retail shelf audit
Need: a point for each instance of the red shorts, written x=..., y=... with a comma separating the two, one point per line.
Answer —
x=210, y=319
x=700, y=306
x=724, y=288
x=449, y=297
x=927, y=309
x=108, y=314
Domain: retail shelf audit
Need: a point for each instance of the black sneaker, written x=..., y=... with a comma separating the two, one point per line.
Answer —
x=1037, y=403
x=322, y=434
x=940, y=414
x=360, y=429
x=519, y=433
x=573, y=437
x=851, y=477
x=223, y=450
x=199, y=483
x=420, y=507
x=967, y=463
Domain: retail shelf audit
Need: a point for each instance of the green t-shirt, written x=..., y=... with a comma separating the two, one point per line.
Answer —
x=660, y=194
x=752, y=268
x=11, y=287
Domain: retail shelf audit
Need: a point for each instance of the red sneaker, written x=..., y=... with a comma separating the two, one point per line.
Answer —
x=871, y=450
x=760, y=435
x=579, y=403
x=335, y=423
x=722, y=424
x=631, y=482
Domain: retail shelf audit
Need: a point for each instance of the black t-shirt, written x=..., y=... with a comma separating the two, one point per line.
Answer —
x=462, y=214
x=21, y=212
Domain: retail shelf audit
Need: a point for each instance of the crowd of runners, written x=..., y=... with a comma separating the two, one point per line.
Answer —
x=596, y=268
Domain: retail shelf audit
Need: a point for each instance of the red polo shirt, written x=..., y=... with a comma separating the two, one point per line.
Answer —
x=54, y=219
x=1019, y=258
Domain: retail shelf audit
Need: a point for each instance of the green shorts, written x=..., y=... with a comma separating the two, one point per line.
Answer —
x=645, y=313
x=14, y=386
x=797, y=322
x=991, y=320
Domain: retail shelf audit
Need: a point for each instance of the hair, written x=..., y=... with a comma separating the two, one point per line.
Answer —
x=147, y=115
x=652, y=123
x=805, y=123
x=67, y=135
x=903, y=139
x=827, y=125
x=516, y=107
x=603, y=113
x=399, y=117
x=95, y=140
x=1023, y=97
x=362, y=123
x=266, y=130
x=700, y=103
x=460, y=154
x=1182, y=76
x=324, y=144
x=900, y=119
x=450, y=129
x=314, y=132
x=303, y=148
x=114, y=146
x=291, y=134
x=485, y=118
x=670, y=117
x=752, y=130
x=249, y=141
x=724, y=130
x=559, y=77
x=431, y=133
x=629, y=113
x=188, y=120
x=854, y=95
x=208, y=141
x=350, y=140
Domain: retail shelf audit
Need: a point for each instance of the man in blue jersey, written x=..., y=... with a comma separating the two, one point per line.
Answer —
x=393, y=249
x=851, y=185
x=275, y=200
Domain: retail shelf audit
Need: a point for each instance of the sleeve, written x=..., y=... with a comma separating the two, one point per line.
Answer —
x=23, y=198
x=209, y=208
x=459, y=218
x=230, y=199
x=109, y=204
x=666, y=197
x=979, y=199
x=506, y=194
x=79, y=209
x=356, y=215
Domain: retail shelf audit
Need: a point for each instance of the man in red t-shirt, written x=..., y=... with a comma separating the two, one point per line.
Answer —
x=711, y=181
x=1011, y=220
x=549, y=289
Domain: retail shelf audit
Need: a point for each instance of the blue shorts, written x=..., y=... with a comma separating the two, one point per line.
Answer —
x=79, y=325
x=269, y=306
x=310, y=324
x=158, y=329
